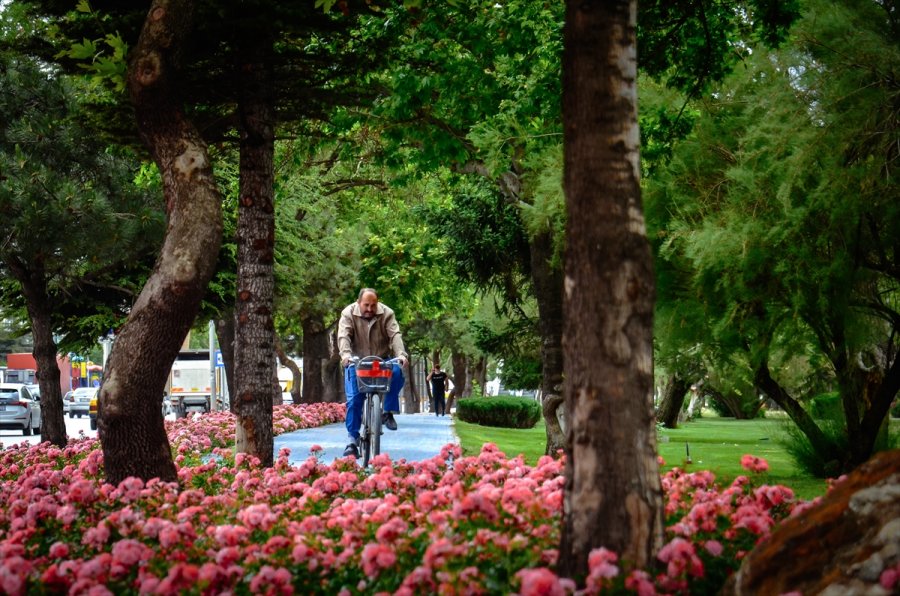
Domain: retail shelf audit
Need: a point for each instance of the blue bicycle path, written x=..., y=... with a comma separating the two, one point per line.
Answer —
x=418, y=437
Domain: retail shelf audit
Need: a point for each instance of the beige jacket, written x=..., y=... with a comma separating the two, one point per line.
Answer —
x=378, y=337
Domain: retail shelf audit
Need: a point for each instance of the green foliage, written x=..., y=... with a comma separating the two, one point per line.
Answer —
x=827, y=406
x=507, y=412
x=806, y=457
x=77, y=226
x=774, y=219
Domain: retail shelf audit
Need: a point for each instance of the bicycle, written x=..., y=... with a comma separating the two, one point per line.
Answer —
x=373, y=377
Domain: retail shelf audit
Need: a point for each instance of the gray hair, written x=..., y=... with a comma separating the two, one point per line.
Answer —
x=365, y=291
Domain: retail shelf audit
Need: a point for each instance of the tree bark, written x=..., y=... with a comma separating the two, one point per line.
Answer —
x=479, y=374
x=130, y=423
x=333, y=374
x=458, y=363
x=315, y=358
x=411, y=395
x=34, y=289
x=613, y=496
x=256, y=379
x=672, y=401
x=548, y=284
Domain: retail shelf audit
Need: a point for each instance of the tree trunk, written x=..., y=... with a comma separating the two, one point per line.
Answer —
x=130, y=423
x=256, y=379
x=672, y=401
x=820, y=443
x=34, y=289
x=458, y=363
x=288, y=363
x=333, y=375
x=470, y=374
x=873, y=422
x=225, y=335
x=315, y=358
x=479, y=374
x=548, y=284
x=411, y=393
x=613, y=496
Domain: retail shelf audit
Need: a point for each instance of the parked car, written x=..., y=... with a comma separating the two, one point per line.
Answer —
x=81, y=401
x=19, y=409
x=68, y=398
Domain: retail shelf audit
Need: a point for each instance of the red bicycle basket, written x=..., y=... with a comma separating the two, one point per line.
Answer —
x=372, y=374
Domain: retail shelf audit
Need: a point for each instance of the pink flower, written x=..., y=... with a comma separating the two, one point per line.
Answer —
x=639, y=582
x=540, y=582
x=751, y=463
x=713, y=547
x=130, y=552
x=890, y=577
x=602, y=563
x=376, y=557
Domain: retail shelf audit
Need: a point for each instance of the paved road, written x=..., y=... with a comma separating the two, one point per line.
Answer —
x=74, y=426
x=418, y=437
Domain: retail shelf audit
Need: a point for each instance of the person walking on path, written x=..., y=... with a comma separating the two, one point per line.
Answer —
x=440, y=383
x=369, y=328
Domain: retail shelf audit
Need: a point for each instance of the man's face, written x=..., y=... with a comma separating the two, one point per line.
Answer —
x=367, y=305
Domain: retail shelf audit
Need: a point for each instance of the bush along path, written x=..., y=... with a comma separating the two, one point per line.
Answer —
x=449, y=524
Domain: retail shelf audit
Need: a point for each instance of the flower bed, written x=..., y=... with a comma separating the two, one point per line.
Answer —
x=448, y=525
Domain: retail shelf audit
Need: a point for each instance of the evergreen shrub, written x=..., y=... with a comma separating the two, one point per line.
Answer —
x=507, y=412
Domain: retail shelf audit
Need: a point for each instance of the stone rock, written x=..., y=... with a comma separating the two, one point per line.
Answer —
x=841, y=545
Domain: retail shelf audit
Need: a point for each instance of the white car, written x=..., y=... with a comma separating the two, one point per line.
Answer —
x=19, y=409
x=81, y=401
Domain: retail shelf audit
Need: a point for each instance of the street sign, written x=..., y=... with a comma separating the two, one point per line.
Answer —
x=219, y=362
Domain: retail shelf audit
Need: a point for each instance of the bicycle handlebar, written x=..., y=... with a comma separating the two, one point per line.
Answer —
x=355, y=360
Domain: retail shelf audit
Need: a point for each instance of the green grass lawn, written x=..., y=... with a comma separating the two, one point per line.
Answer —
x=715, y=444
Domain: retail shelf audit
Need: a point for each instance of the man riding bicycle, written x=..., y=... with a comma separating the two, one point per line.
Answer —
x=369, y=328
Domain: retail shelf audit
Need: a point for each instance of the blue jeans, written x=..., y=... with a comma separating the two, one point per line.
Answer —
x=355, y=399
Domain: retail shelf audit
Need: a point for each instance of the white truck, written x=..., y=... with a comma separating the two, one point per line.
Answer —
x=189, y=383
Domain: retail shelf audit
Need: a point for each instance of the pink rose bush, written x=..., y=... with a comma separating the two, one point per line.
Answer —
x=482, y=524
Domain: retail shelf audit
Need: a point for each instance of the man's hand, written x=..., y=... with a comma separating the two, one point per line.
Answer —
x=345, y=362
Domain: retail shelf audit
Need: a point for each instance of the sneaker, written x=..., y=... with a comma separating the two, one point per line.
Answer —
x=351, y=449
x=387, y=420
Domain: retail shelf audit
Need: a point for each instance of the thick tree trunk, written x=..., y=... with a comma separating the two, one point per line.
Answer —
x=256, y=379
x=315, y=358
x=130, y=421
x=548, y=283
x=34, y=289
x=613, y=496
x=672, y=401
